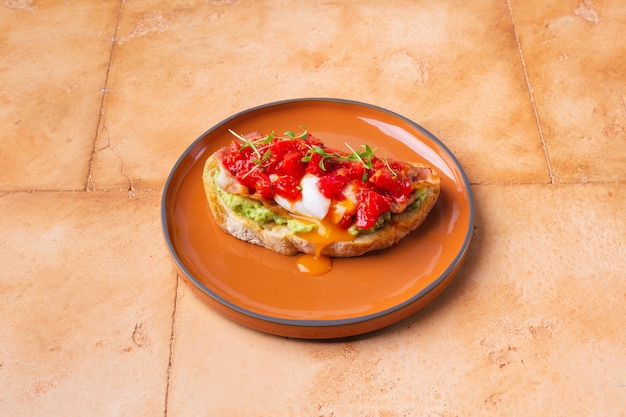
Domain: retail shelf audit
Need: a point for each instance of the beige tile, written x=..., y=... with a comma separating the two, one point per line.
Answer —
x=533, y=325
x=574, y=55
x=544, y=300
x=179, y=68
x=221, y=368
x=53, y=61
x=87, y=301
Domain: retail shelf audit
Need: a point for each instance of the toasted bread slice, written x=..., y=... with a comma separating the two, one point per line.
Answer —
x=279, y=238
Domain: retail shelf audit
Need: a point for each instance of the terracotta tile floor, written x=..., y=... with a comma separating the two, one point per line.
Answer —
x=99, y=99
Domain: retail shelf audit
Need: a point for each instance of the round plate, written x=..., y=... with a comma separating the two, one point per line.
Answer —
x=264, y=290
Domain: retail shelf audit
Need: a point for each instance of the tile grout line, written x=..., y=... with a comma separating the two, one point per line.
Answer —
x=160, y=190
x=551, y=171
x=88, y=180
x=78, y=190
x=171, y=353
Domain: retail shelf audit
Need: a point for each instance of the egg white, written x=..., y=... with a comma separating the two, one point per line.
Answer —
x=312, y=204
x=348, y=205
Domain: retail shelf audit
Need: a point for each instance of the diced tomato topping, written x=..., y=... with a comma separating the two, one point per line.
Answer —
x=370, y=206
x=332, y=185
x=396, y=186
x=291, y=164
x=237, y=161
x=314, y=167
x=287, y=186
x=280, y=149
x=351, y=170
x=378, y=182
x=258, y=182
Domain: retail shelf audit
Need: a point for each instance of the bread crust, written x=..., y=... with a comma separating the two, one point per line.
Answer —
x=280, y=239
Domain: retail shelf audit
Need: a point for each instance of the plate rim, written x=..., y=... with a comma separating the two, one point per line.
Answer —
x=451, y=267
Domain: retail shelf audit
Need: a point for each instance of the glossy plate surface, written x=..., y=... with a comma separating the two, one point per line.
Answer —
x=265, y=290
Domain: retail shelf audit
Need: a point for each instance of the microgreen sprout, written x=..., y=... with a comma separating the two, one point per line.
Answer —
x=394, y=173
x=257, y=146
x=321, y=152
x=247, y=143
x=291, y=134
x=364, y=158
x=261, y=148
x=263, y=158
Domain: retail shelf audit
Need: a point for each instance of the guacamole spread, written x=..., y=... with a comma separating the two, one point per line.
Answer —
x=257, y=212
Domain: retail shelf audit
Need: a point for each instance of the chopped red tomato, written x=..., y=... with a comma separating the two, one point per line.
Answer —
x=379, y=183
x=257, y=182
x=314, y=167
x=238, y=162
x=287, y=186
x=395, y=185
x=291, y=164
x=287, y=149
x=332, y=185
x=371, y=206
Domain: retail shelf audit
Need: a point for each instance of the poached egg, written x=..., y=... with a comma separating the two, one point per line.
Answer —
x=315, y=207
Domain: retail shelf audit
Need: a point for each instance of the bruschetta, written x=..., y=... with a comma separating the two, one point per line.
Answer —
x=292, y=194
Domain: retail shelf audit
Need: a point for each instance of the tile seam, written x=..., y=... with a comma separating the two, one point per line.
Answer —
x=89, y=186
x=561, y=183
x=79, y=190
x=553, y=175
x=171, y=352
x=160, y=190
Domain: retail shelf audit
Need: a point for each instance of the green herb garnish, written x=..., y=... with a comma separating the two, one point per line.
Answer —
x=262, y=150
x=394, y=173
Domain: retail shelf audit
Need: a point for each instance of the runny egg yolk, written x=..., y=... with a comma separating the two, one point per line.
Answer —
x=325, y=234
x=314, y=207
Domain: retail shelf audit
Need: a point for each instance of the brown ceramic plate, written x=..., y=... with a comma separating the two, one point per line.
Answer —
x=264, y=290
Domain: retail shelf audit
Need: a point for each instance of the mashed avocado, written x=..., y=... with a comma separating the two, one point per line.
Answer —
x=422, y=193
x=257, y=212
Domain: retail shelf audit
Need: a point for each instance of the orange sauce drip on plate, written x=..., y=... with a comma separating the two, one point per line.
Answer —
x=326, y=233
